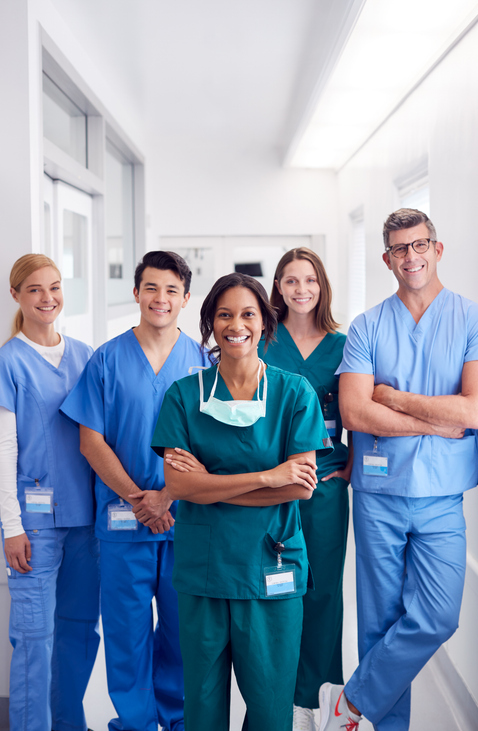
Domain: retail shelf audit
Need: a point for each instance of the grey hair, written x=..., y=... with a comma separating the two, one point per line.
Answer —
x=406, y=218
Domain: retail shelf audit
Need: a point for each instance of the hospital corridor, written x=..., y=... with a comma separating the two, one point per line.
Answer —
x=238, y=256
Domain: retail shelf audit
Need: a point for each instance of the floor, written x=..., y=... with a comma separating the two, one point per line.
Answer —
x=429, y=710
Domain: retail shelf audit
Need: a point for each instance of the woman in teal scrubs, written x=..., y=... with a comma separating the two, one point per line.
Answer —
x=239, y=442
x=308, y=344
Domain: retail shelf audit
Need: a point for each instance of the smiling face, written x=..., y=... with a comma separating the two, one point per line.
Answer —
x=415, y=273
x=161, y=297
x=40, y=298
x=238, y=323
x=299, y=286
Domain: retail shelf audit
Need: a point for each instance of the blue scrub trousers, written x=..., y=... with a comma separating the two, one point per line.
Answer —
x=54, y=630
x=144, y=665
x=411, y=555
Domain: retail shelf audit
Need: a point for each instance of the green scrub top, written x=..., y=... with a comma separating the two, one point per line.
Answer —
x=221, y=550
x=319, y=369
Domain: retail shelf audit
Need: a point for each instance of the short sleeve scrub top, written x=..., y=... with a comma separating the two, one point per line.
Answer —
x=222, y=550
x=324, y=518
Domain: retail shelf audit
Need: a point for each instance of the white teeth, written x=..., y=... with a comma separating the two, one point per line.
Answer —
x=155, y=309
x=236, y=340
x=415, y=269
x=302, y=300
x=47, y=309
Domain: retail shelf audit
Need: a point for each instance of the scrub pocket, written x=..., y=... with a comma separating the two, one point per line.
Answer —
x=295, y=553
x=191, y=558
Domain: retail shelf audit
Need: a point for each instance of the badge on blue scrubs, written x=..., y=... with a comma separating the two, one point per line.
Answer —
x=375, y=463
x=39, y=499
x=121, y=517
x=280, y=579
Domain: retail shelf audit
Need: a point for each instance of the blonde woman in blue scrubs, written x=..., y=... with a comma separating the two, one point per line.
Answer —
x=257, y=432
x=307, y=343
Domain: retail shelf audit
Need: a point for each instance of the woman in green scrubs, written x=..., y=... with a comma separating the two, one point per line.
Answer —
x=308, y=344
x=239, y=442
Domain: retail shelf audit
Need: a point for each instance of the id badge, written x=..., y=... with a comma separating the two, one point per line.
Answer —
x=375, y=463
x=121, y=517
x=331, y=427
x=280, y=581
x=39, y=499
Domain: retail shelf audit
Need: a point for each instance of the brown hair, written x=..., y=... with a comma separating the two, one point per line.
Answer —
x=323, y=312
x=209, y=306
x=23, y=267
x=406, y=218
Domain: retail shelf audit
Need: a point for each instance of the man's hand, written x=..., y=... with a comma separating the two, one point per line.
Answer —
x=384, y=395
x=153, y=504
x=163, y=524
x=18, y=552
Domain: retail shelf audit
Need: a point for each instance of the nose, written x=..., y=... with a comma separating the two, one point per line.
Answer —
x=236, y=323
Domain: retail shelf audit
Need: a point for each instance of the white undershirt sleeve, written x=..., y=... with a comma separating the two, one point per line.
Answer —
x=10, y=513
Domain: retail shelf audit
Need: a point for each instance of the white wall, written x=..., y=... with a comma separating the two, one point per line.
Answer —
x=438, y=121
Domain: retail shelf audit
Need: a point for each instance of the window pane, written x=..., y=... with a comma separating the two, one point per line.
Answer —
x=119, y=198
x=75, y=285
x=64, y=123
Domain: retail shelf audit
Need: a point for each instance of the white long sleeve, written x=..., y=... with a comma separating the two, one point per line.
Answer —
x=10, y=513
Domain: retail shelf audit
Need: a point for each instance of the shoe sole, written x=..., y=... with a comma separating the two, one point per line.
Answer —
x=324, y=702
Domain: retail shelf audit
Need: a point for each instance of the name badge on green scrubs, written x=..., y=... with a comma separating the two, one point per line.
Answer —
x=280, y=579
x=39, y=499
x=121, y=517
x=375, y=463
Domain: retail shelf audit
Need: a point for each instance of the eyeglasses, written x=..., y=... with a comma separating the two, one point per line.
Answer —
x=419, y=246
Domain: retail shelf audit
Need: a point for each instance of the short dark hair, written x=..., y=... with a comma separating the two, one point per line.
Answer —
x=164, y=260
x=209, y=307
x=406, y=218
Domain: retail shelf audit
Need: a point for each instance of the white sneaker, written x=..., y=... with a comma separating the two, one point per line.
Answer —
x=304, y=719
x=335, y=714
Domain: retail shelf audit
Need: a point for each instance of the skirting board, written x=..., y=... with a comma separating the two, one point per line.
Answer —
x=4, y=725
x=452, y=687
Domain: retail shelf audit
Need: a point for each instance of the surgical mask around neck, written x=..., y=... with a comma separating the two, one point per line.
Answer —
x=234, y=413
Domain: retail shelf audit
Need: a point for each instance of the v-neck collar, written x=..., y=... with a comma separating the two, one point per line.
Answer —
x=62, y=364
x=167, y=365
x=292, y=346
x=417, y=329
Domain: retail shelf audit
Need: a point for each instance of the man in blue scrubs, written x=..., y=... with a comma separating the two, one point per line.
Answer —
x=116, y=402
x=409, y=391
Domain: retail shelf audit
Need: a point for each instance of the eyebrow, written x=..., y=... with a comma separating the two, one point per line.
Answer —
x=58, y=281
x=153, y=284
x=248, y=307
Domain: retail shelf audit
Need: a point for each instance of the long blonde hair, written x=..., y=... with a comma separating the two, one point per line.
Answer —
x=23, y=267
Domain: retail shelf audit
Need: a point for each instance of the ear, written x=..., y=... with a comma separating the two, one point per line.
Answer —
x=386, y=258
x=136, y=295
x=14, y=294
x=276, y=282
x=186, y=299
x=439, y=250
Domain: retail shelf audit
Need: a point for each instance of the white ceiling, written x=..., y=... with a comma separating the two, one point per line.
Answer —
x=240, y=73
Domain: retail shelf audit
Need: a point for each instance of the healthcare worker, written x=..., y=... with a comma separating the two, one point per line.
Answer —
x=46, y=508
x=116, y=402
x=307, y=343
x=409, y=390
x=240, y=441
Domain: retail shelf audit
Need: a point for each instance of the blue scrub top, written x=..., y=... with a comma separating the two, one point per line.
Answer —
x=48, y=445
x=427, y=358
x=120, y=396
x=221, y=550
x=319, y=369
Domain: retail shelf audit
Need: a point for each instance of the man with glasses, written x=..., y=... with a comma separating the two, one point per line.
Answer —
x=409, y=392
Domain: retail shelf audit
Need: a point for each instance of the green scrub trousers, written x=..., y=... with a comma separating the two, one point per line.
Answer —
x=325, y=525
x=250, y=633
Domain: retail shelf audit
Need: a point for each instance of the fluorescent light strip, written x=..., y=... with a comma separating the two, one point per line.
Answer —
x=393, y=47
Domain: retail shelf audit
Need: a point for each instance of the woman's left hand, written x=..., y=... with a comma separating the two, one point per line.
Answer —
x=183, y=461
x=343, y=474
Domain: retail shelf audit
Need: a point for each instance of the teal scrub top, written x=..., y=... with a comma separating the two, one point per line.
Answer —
x=221, y=550
x=319, y=369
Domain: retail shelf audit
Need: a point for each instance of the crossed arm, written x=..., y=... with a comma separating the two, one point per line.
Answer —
x=151, y=507
x=383, y=411
x=188, y=479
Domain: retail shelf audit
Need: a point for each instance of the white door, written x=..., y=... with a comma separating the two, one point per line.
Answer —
x=68, y=240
